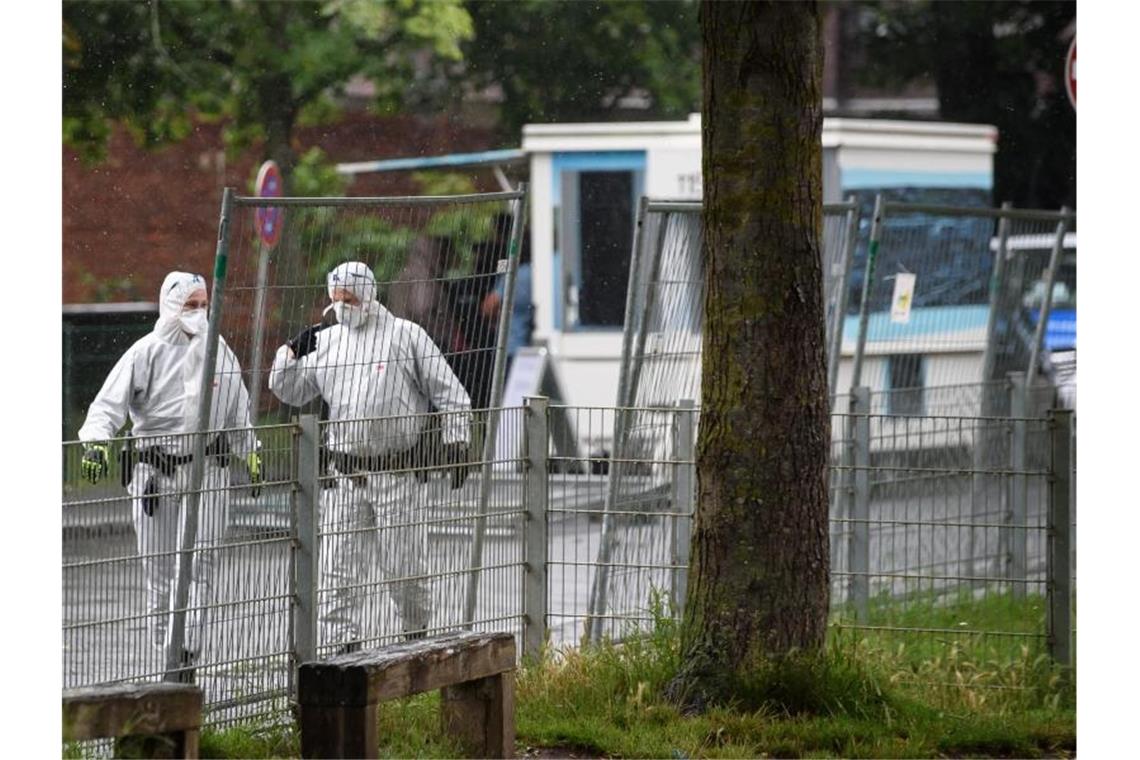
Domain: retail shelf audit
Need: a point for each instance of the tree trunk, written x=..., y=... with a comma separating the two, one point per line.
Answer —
x=759, y=580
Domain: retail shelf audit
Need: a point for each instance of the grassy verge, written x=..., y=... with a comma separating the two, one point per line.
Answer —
x=949, y=692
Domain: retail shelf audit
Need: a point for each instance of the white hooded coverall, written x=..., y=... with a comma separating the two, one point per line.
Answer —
x=157, y=384
x=383, y=367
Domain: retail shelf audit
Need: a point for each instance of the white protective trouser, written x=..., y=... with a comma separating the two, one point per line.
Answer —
x=157, y=541
x=391, y=508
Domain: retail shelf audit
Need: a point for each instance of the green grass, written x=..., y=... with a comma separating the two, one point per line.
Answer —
x=871, y=694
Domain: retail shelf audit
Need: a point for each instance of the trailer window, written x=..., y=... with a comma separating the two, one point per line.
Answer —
x=906, y=384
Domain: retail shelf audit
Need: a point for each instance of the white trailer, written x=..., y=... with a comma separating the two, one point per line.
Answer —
x=586, y=179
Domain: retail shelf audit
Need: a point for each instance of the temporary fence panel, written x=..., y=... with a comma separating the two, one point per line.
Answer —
x=665, y=303
x=661, y=362
x=955, y=296
x=430, y=342
x=435, y=260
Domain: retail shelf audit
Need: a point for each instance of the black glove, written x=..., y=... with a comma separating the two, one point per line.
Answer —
x=456, y=456
x=305, y=341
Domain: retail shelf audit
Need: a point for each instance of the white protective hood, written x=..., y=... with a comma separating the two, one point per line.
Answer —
x=358, y=279
x=176, y=288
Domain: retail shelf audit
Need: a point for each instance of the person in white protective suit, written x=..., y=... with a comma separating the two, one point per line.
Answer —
x=157, y=384
x=379, y=375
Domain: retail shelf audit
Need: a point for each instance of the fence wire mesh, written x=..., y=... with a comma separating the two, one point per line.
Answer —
x=120, y=549
x=945, y=503
x=435, y=260
x=922, y=528
x=976, y=306
x=661, y=360
x=396, y=541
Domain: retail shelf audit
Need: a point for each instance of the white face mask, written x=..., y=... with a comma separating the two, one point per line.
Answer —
x=194, y=322
x=349, y=316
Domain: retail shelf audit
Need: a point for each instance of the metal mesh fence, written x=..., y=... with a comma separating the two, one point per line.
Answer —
x=661, y=359
x=373, y=551
x=120, y=551
x=956, y=296
x=435, y=260
x=396, y=543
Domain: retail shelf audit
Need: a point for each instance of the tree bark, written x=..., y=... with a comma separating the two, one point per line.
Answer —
x=759, y=577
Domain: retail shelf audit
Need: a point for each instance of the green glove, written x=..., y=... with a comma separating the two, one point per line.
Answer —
x=95, y=461
x=253, y=462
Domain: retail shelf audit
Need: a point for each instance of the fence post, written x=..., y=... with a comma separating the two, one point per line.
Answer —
x=835, y=349
x=188, y=517
x=865, y=296
x=1015, y=543
x=494, y=413
x=306, y=499
x=684, y=490
x=859, y=536
x=1047, y=304
x=1058, y=581
x=997, y=270
x=537, y=495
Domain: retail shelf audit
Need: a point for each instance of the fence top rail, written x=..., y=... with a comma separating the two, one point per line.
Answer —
x=585, y=408
x=1022, y=214
x=150, y=437
x=944, y=417
x=664, y=206
x=402, y=200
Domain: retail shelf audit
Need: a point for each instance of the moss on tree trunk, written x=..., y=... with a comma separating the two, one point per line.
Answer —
x=759, y=580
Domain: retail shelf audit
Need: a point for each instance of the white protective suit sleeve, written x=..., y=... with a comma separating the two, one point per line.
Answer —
x=441, y=385
x=108, y=412
x=237, y=413
x=293, y=380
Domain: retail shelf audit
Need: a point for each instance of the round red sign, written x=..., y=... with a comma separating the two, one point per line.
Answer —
x=1071, y=72
x=269, y=219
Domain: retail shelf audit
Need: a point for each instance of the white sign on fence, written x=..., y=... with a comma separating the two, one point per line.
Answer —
x=902, y=298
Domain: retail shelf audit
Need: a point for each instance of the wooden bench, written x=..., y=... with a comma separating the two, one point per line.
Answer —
x=145, y=719
x=474, y=671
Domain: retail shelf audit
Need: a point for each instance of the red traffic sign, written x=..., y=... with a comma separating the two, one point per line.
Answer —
x=1071, y=72
x=269, y=219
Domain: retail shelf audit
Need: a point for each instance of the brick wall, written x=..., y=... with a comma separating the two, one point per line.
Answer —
x=140, y=214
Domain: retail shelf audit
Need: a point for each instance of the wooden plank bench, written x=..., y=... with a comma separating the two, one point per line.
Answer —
x=475, y=672
x=145, y=719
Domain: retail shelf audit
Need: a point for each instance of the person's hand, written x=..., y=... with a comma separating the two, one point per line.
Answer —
x=95, y=461
x=456, y=456
x=305, y=341
x=253, y=462
x=490, y=306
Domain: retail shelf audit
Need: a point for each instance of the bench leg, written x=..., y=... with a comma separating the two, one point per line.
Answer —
x=328, y=732
x=480, y=714
x=183, y=744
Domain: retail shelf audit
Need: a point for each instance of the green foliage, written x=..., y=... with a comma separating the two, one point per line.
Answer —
x=260, y=65
x=107, y=290
x=314, y=176
x=559, y=60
